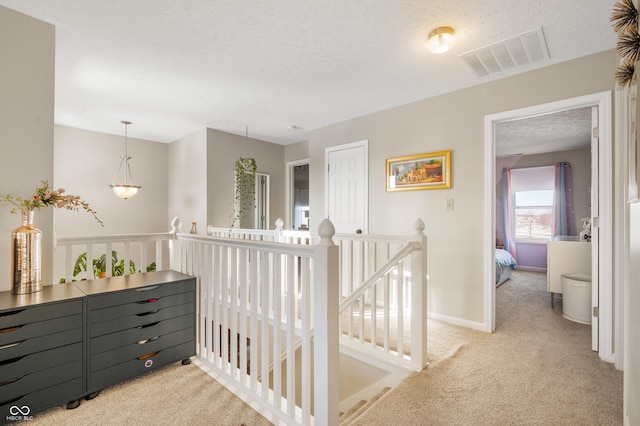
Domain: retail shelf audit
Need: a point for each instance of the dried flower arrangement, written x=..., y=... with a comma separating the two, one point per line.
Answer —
x=624, y=19
x=45, y=197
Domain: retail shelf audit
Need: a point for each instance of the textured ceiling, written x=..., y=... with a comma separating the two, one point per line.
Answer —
x=560, y=131
x=173, y=67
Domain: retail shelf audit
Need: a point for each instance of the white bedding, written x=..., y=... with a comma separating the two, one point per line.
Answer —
x=505, y=263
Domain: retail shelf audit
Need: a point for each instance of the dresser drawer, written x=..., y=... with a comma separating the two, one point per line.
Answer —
x=37, y=329
x=133, y=335
x=17, y=367
x=140, y=320
x=141, y=306
x=44, y=398
x=38, y=380
x=126, y=370
x=140, y=294
x=40, y=344
x=17, y=317
x=153, y=344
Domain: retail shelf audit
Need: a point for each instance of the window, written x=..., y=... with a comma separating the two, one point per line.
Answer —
x=533, y=214
x=532, y=189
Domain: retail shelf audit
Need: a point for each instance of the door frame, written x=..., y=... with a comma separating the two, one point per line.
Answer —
x=365, y=144
x=605, y=154
x=289, y=184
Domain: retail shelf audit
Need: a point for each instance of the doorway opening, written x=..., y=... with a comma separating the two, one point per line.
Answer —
x=602, y=208
x=297, y=197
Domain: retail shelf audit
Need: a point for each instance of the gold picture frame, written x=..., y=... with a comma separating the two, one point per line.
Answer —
x=422, y=171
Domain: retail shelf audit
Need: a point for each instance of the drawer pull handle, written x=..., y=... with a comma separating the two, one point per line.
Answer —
x=9, y=381
x=148, y=325
x=10, y=345
x=11, y=361
x=153, y=287
x=149, y=355
x=142, y=342
x=7, y=314
x=148, y=313
x=148, y=301
x=10, y=329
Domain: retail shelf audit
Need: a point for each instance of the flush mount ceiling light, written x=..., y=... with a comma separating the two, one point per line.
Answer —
x=127, y=189
x=440, y=40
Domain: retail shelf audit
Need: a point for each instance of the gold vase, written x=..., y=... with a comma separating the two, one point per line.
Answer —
x=26, y=242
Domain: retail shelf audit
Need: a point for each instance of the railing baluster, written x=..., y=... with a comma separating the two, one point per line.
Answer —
x=400, y=308
x=90, y=273
x=233, y=311
x=291, y=334
x=265, y=344
x=69, y=262
x=206, y=298
x=277, y=331
x=158, y=256
x=253, y=319
x=307, y=315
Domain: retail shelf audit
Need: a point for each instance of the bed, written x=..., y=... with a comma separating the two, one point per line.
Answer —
x=505, y=263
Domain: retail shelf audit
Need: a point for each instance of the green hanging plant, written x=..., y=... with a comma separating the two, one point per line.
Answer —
x=245, y=189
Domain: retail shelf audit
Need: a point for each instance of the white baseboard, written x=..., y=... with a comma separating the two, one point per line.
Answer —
x=457, y=321
x=531, y=268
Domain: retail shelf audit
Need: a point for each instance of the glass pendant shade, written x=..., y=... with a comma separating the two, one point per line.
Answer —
x=127, y=189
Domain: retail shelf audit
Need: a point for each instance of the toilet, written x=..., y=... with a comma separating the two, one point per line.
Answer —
x=576, y=298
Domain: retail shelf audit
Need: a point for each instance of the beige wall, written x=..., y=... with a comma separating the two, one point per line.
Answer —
x=632, y=357
x=453, y=121
x=27, y=49
x=187, y=165
x=296, y=151
x=223, y=149
x=201, y=176
x=85, y=163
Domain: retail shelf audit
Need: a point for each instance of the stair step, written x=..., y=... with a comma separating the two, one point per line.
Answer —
x=361, y=407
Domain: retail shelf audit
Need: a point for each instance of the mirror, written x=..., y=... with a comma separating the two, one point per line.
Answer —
x=257, y=215
x=300, y=212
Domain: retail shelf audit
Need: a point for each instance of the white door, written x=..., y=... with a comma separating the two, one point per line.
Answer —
x=595, y=228
x=347, y=189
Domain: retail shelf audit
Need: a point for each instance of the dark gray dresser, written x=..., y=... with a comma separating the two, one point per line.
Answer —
x=70, y=341
x=41, y=350
x=136, y=324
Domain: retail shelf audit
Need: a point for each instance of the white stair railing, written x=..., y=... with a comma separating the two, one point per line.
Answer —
x=383, y=307
x=275, y=298
x=258, y=299
x=137, y=251
x=388, y=315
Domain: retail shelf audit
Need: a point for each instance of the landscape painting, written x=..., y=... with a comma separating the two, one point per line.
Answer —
x=422, y=171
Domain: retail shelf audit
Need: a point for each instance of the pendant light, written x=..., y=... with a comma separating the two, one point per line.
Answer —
x=127, y=189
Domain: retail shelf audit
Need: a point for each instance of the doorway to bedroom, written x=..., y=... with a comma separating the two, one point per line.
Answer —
x=592, y=156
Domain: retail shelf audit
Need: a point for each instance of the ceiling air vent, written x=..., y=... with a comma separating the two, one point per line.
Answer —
x=508, y=55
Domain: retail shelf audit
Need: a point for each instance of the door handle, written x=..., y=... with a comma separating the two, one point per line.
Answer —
x=358, y=231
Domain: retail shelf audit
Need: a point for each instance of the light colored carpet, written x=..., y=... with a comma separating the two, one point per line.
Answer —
x=174, y=395
x=536, y=369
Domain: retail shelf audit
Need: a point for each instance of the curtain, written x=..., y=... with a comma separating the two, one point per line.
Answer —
x=508, y=212
x=564, y=222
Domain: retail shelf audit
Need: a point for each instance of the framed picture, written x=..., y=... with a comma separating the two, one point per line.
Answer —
x=422, y=171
